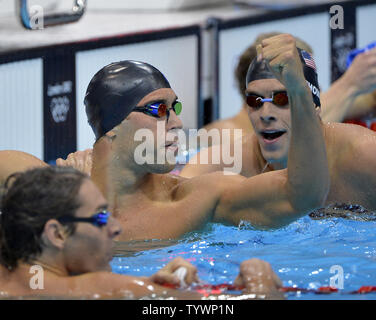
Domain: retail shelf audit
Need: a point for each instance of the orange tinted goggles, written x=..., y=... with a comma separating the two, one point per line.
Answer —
x=279, y=98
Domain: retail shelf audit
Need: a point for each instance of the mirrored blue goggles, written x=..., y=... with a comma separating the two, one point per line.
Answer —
x=99, y=219
x=159, y=109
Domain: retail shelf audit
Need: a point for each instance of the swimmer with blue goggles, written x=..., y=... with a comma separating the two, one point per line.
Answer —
x=99, y=219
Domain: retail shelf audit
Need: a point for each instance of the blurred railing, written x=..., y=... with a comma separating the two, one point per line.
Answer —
x=28, y=19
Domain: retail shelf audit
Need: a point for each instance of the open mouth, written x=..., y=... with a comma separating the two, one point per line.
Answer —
x=272, y=134
x=171, y=144
x=167, y=145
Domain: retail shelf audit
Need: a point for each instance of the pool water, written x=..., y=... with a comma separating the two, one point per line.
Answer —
x=302, y=254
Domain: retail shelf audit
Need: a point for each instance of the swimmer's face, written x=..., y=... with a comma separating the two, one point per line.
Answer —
x=152, y=140
x=90, y=248
x=271, y=123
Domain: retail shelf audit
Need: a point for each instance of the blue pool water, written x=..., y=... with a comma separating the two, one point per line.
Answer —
x=302, y=254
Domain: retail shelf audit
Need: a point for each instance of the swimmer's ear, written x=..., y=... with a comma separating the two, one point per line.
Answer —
x=111, y=135
x=259, y=52
x=318, y=111
x=54, y=234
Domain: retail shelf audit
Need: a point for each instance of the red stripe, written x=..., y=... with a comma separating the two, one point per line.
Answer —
x=207, y=289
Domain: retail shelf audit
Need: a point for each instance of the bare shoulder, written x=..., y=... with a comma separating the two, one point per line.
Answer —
x=13, y=161
x=107, y=284
x=237, y=156
x=363, y=150
x=222, y=124
x=354, y=145
x=203, y=162
x=110, y=285
x=207, y=160
x=216, y=176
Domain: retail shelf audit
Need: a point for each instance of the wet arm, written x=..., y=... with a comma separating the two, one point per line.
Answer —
x=110, y=285
x=273, y=200
x=203, y=162
x=307, y=167
x=337, y=101
x=344, y=96
x=256, y=278
x=277, y=198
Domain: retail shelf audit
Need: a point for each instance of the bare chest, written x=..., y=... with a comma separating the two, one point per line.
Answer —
x=188, y=209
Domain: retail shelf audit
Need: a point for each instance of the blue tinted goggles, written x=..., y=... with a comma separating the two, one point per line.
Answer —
x=99, y=219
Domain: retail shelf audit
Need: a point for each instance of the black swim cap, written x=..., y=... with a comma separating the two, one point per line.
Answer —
x=260, y=70
x=116, y=89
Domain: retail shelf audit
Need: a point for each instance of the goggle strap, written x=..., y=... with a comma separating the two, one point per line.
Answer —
x=99, y=219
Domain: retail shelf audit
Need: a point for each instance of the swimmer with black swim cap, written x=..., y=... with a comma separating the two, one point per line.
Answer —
x=351, y=149
x=269, y=106
x=115, y=91
x=259, y=70
x=122, y=98
x=152, y=204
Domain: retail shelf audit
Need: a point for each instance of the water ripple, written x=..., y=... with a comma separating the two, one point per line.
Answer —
x=302, y=253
